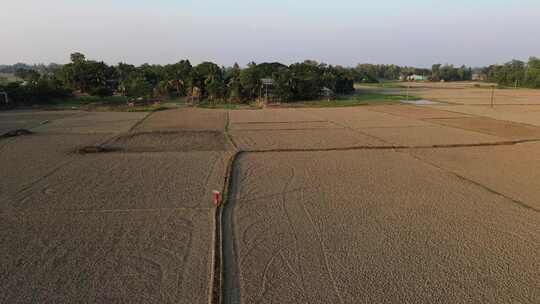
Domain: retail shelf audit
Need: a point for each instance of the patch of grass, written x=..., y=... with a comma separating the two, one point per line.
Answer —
x=354, y=100
x=103, y=104
x=228, y=106
x=7, y=78
x=81, y=101
x=148, y=108
x=390, y=85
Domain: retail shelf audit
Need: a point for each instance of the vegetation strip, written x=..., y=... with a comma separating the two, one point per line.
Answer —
x=492, y=144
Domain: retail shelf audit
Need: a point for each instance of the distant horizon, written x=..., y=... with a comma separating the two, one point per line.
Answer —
x=418, y=33
x=257, y=62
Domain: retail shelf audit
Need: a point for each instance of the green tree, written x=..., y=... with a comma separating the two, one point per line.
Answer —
x=179, y=76
x=139, y=87
x=234, y=86
x=436, y=72
x=532, y=78
x=250, y=80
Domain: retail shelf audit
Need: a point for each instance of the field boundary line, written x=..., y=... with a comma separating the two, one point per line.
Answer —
x=478, y=184
x=218, y=285
x=351, y=129
x=512, y=122
x=138, y=123
x=396, y=147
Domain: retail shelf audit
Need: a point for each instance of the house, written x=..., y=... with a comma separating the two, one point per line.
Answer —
x=267, y=89
x=415, y=77
x=479, y=77
x=328, y=93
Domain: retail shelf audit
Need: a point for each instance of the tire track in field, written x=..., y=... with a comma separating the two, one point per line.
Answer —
x=301, y=227
x=230, y=262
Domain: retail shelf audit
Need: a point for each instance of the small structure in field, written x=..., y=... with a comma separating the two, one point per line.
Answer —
x=479, y=77
x=416, y=77
x=267, y=86
x=196, y=94
x=328, y=93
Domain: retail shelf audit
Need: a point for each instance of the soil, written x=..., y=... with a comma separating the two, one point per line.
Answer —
x=135, y=225
x=376, y=227
x=184, y=119
x=171, y=141
x=375, y=204
x=93, y=122
x=151, y=256
x=501, y=128
x=513, y=171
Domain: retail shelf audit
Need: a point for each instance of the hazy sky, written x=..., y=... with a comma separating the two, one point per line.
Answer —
x=345, y=32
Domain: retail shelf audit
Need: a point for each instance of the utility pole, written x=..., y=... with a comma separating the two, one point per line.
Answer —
x=492, y=96
x=408, y=88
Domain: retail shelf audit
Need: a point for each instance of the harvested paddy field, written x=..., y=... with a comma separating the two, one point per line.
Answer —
x=308, y=139
x=93, y=122
x=111, y=182
x=479, y=96
x=502, y=128
x=520, y=114
x=415, y=112
x=153, y=256
x=512, y=171
x=361, y=118
x=375, y=227
x=373, y=204
x=29, y=119
x=404, y=125
x=184, y=119
x=461, y=93
x=431, y=136
x=170, y=141
x=133, y=225
x=270, y=130
x=271, y=116
x=27, y=159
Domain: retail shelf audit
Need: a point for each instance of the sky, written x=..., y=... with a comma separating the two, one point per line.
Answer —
x=340, y=32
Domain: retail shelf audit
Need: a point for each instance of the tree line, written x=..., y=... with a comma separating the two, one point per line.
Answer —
x=208, y=81
x=375, y=73
x=205, y=81
x=515, y=73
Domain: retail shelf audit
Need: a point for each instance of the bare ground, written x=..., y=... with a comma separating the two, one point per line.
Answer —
x=135, y=225
x=376, y=227
x=154, y=256
x=375, y=205
x=184, y=119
